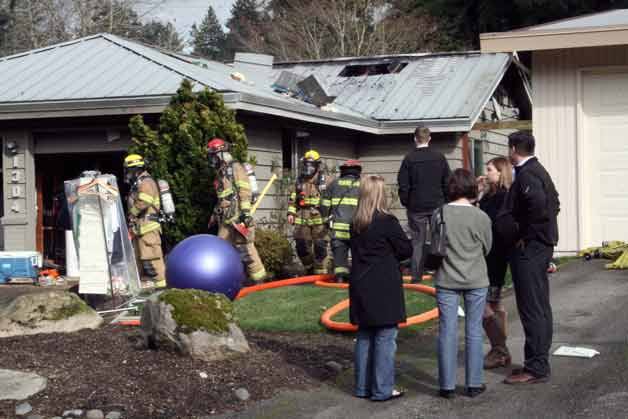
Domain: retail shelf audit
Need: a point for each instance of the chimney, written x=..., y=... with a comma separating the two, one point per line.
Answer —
x=250, y=63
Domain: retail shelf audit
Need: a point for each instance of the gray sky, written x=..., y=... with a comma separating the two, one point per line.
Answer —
x=183, y=13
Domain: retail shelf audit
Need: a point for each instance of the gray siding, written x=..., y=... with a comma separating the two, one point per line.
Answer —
x=20, y=200
x=382, y=155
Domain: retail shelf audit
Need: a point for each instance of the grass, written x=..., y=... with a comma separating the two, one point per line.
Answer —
x=299, y=308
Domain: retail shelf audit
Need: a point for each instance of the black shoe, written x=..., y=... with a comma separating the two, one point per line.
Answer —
x=476, y=391
x=447, y=394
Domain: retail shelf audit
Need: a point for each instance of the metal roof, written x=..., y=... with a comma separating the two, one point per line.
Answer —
x=439, y=86
x=446, y=91
x=610, y=18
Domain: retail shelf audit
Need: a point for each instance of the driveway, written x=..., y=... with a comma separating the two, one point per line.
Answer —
x=590, y=310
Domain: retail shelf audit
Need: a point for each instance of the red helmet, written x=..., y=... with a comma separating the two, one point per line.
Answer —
x=352, y=163
x=216, y=145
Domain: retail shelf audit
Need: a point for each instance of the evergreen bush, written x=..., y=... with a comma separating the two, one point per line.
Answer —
x=275, y=251
x=176, y=152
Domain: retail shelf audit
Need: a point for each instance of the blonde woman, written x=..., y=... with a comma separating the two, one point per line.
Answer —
x=495, y=187
x=378, y=244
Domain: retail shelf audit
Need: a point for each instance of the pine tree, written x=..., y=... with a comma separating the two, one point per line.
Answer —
x=209, y=39
x=161, y=35
x=245, y=27
x=177, y=153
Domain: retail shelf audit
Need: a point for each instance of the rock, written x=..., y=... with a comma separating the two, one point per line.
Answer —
x=203, y=375
x=23, y=409
x=47, y=312
x=113, y=415
x=334, y=366
x=242, y=394
x=195, y=323
x=76, y=413
x=95, y=414
x=16, y=385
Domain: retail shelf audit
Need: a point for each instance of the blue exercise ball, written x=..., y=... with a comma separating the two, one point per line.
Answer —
x=205, y=262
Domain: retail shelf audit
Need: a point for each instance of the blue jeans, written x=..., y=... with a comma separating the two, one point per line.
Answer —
x=474, y=301
x=374, y=362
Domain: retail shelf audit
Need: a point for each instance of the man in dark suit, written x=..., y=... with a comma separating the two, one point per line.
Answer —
x=533, y=205
x=422, y=181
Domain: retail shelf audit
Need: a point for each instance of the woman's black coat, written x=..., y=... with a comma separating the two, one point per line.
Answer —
x=375, y=287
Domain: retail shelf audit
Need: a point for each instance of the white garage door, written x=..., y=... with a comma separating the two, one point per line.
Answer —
x=605, y=158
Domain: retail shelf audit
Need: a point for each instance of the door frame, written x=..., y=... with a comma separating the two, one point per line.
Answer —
x=582, y=185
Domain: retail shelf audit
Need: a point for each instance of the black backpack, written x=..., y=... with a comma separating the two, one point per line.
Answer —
x=435, y=249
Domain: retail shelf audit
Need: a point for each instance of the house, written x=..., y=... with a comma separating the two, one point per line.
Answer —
x=580, y=119
x=65, y=108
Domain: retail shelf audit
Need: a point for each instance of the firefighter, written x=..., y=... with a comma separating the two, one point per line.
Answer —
x=234, y=206
x=339, y=203
x=304, y=211
x=144, y=207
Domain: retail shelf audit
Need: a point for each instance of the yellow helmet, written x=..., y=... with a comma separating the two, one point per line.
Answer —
x=312, y=155
x=133, y=160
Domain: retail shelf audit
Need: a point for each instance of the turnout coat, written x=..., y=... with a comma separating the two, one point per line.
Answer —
x=376, y=295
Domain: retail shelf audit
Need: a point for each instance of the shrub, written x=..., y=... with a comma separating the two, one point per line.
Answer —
x=176, y=152
x=274, y=250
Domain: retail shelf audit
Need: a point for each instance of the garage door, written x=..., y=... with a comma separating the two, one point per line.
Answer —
x=605, y=158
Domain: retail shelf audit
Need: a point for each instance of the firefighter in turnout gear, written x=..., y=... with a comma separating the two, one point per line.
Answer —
x=144, y=206
x=304, y=212
x=339, y=203
x=234, y=206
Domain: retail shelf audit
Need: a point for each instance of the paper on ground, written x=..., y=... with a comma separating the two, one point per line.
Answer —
x=460, y=312
x=576, y=351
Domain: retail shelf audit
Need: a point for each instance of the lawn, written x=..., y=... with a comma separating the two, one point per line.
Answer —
x=299, y=308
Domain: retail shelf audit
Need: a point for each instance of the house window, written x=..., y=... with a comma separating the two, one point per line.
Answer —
x=356, y=70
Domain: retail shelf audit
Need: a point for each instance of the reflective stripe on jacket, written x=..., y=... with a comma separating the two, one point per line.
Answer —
x=144, y=204
x=339, y=204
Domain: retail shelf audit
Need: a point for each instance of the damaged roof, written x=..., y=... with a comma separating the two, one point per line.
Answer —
x=110, y=74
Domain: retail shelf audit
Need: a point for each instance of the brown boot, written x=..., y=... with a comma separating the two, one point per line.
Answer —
x=495, y=328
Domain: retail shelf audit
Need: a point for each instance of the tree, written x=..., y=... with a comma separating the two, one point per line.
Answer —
x=161, y=35
x=246, y=28
x=209, y=39
x=334, y=28
x=177, y=153
x=462, y=21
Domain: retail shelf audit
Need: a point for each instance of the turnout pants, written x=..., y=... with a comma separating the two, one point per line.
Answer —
x=151, y=258
x=419, y=225
x=247, y=249
x=311, y=243
x=340, y=251
x=529, y=274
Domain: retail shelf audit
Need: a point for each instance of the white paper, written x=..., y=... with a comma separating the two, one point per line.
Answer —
x=576, y=352
x=460, y=312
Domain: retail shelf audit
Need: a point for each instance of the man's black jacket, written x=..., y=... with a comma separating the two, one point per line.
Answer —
x=423, y=180
x=532, y=205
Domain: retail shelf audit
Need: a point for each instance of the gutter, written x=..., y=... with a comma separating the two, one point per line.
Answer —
x=237, y=101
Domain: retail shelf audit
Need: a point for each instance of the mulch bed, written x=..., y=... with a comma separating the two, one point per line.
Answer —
x=107, y=369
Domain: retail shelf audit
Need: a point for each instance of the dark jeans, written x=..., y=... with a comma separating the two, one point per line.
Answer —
x=529, y=274
x=497, y=265
x=374, y=362
x=419, y=224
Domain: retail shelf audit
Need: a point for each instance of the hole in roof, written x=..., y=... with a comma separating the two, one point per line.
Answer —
x=357, y=70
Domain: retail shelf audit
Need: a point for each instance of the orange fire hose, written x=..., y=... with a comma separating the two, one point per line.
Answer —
x=326, y=318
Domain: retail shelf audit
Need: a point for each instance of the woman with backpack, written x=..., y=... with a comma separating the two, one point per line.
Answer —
x=462, y=273
x=493, y=191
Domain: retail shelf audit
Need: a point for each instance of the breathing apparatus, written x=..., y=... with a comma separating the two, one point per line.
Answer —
x=218, y=153
x=134, y=165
